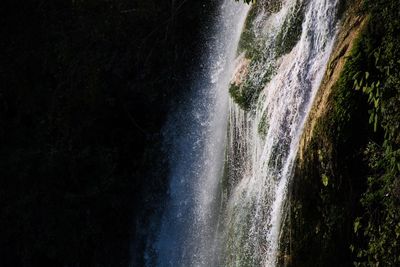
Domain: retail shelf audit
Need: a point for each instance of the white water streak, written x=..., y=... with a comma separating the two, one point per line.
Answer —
x=196, y=139
x=255, y=209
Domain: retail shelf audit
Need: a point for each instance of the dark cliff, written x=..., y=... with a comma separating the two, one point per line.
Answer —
x=344, y=200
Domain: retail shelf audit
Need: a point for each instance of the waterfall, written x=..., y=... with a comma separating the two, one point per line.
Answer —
x=264, y=132
x=195, y=138
x=231, y=158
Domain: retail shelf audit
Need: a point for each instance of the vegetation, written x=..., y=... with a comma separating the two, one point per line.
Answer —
x=379, y=222
x=329, y=181
x=256, y=50
x=247, y=40
x=291, y=30
x=85, y=89
x=345, y=201
x=246, y=94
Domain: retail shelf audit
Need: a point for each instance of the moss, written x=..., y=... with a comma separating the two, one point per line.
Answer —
x=254, y=49
x=345, y=205
x=263, y=126
x=247, y=93
x=239, y=97
x=248, y=43
x=291, y=30
x=328, y=181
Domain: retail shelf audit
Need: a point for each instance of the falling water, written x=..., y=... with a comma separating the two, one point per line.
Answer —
x=195, y=137
x=264, y=139
x=228, y=191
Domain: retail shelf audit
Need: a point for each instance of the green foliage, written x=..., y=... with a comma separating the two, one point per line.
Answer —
x=380, y=223
x=380, y=82
x=325, y=180
x=328, y=180
x=346, y=192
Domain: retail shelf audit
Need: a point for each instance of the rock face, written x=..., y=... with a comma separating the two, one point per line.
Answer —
x=343, y=206
x=241, y=71
x=288, y=51
x=325, y=189
x=351, y=27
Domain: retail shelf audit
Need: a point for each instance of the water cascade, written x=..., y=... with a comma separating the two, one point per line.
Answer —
x=195, y=138
x=231, y=157
x=281, y=67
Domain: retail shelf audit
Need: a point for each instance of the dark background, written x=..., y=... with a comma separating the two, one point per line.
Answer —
x=85, y=87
